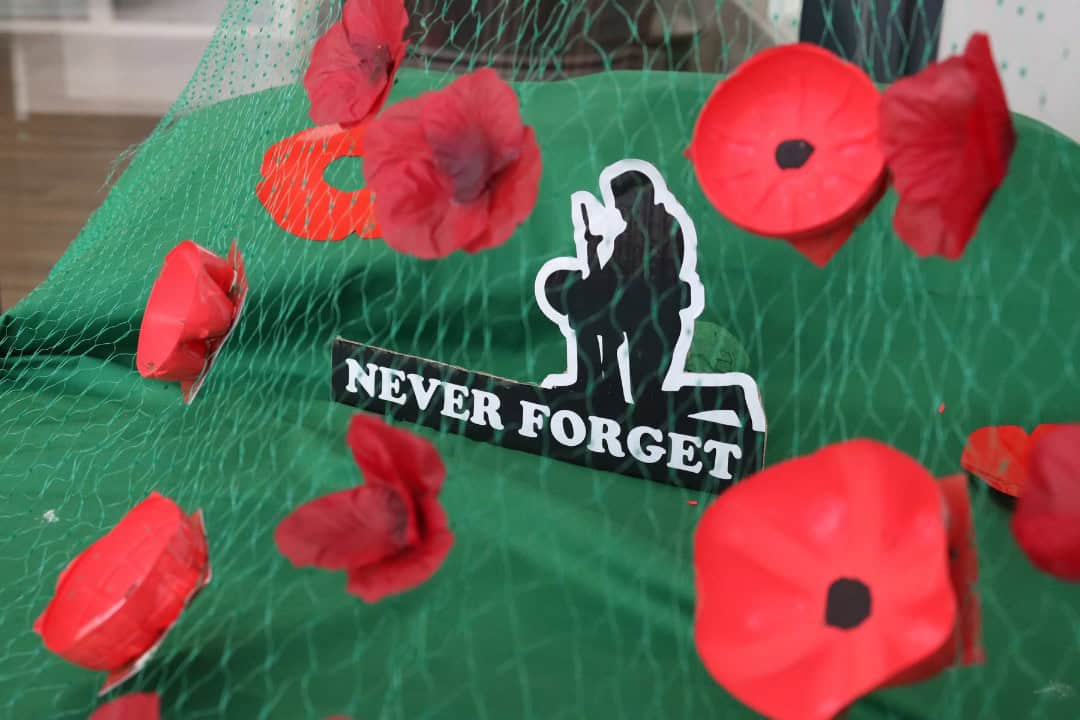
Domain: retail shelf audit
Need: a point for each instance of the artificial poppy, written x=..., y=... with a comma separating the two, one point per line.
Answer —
x=947, y=137
x=390, y=534
x=821, y=578
x=117, y=600
x=787, y=147
x=393, y=456
x=964, y=645
x=191, y=311
x=1046, y=523
x=136, y=706
x=295, y=192
x=453, y=169
x=999, y=455
x=353, y=64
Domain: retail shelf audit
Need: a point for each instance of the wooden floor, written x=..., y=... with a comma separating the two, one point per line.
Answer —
x=52, y=175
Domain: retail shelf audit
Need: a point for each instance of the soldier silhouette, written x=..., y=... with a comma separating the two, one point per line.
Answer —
x=647, y=260
x=585, y=297
x=628, y=303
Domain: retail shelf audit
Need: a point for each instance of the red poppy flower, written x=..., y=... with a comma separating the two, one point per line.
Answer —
x=191, y=312
x=137, y=706
x=787, y=147
x=390, y=534
x=821, y=578
x=947, y=137
x=1046, y=523
x=964, y=646
x=117, y=600
x=999, y=455
x=294, y=190
x=353, y=65
x=453, y=169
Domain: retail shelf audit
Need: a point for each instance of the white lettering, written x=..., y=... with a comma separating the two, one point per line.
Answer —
x=605, y=431
x=682, y=449
x=532, y=418
x=722, y=452
x=651, y=454
x=454, y=401
x=356, y=373
x=423, y=396
x=486, y=405
x=391, y=385
x=563, y=434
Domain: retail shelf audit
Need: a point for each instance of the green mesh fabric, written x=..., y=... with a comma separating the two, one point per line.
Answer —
x=569, y=593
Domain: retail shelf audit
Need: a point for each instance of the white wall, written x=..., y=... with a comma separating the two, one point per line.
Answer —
x=1037, y=46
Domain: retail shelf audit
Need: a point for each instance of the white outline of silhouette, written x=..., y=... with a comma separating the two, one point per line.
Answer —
x=606, y=221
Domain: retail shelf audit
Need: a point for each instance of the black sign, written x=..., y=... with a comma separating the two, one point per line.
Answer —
x=626, y=302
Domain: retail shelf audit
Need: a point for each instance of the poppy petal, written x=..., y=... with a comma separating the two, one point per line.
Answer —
x=947, y=138
x=395, y=456
x=1042, y=430
x=1046, y=523
x=136, y=706
x=821, y=247
x=474, y=131
x=375, y=27
x=514, y=194
x=413, y=197
x=820, y=578
x=964, y=645
x=995, y=122
x=443, y=168
x=927, y=229
x=998, y=456
x=365, y=524
x=332, y=82
x=471, y=228
x=353, y=64
x=375, y=22
x=964, y=567
x=410, y=568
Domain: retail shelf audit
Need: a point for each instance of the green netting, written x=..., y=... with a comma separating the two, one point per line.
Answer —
x=569, y=592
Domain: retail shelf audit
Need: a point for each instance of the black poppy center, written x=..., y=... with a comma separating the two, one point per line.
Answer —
x=847, y=604
x=793, y=154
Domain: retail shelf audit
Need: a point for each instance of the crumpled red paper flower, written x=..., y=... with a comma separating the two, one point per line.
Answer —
x=947, y=137
x=116, y=601
x=1046, y=523
x=999, y=455
x=390, y=534
x=137, y=706
x=822, y=578
x=964, y=646
x=295, y=192
x=453, y=169
x=787, y=147
x=191, y=312
x=353, y=65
